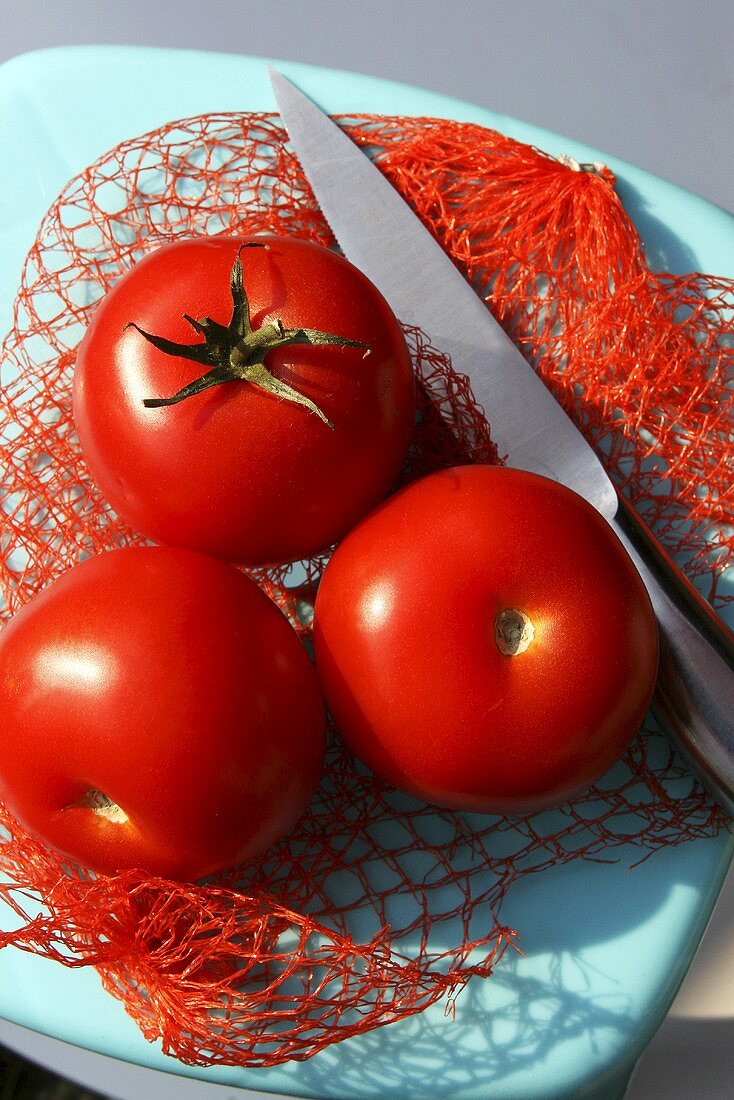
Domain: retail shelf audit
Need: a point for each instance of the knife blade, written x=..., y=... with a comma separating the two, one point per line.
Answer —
x=381, y=235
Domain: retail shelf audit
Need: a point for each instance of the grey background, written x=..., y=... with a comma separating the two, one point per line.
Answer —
x=650, y=81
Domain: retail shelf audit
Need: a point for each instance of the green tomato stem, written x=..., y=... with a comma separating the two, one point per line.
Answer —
x=237, y=352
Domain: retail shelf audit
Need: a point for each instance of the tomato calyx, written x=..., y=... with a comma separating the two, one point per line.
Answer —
x=513, y=631
x=237, y=351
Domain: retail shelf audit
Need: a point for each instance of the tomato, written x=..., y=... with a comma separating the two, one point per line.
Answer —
x=159, y=713
x=301, y=417
x=484, y=642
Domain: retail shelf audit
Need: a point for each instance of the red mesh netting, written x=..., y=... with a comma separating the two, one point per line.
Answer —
x=376, y=905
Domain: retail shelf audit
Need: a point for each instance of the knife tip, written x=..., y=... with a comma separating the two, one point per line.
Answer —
x=276, y=78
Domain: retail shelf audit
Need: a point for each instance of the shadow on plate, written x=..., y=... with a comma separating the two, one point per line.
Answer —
x=434, y=1055
x=664, y=249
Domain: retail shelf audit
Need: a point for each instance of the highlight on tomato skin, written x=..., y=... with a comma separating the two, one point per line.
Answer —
x=159, y=714
x=484, y=642
x=249, y=397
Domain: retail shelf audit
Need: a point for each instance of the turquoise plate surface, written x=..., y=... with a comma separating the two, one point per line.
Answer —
x=606, y=945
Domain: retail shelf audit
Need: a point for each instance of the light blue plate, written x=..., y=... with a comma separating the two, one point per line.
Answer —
x=606, y=946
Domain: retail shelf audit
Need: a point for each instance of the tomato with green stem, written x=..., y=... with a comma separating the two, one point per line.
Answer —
x=250, y=397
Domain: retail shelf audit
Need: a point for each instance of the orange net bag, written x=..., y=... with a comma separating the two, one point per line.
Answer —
x=375, y=906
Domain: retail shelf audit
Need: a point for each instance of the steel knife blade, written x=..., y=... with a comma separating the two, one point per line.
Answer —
x=381, y=235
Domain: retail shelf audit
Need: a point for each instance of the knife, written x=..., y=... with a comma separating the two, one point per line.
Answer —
x=380, y=234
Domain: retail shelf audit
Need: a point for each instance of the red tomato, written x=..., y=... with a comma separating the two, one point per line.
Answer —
x=159, y=712
x=244, y=469
x=417, y=618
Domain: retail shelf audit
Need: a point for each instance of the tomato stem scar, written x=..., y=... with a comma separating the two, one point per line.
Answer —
x=237, y=351
x=513, y=631
x=98, y=802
